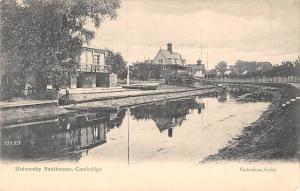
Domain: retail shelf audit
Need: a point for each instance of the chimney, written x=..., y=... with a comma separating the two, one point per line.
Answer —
x=199, y=62
x=170, y=47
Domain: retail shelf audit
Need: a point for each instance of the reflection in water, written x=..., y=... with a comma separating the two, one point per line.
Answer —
x=222, y=96
x=65, y=137
x=72, y=136
x=170, y=132
x=168, y=114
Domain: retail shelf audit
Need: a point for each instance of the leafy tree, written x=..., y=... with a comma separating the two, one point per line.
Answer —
x=249, y=66
x=285, y=69
x=117, y=63
x=147, y=71
x=260, y=69
x=211, y=73
x=221, y=67
x=297, y=66
x=45, y=37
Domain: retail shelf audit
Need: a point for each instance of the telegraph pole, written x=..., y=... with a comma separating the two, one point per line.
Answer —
x=206, y=65
x=127, y=46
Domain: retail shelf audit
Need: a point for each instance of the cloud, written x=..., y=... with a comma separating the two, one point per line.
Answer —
x=228, y=31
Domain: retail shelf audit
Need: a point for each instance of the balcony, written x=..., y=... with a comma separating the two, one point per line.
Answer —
x=94, y=68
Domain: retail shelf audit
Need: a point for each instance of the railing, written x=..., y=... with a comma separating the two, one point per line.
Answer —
x=288, y=79
x=94, y=68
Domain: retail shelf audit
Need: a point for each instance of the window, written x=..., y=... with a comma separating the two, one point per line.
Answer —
x=160, y=61
x=96, y=59
x=172, y=60
x=164, y=67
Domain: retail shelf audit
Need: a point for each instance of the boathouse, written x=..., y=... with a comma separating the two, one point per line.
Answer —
x=92, y=71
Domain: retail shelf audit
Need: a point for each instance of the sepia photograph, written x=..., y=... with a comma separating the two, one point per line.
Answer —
x=150, y=95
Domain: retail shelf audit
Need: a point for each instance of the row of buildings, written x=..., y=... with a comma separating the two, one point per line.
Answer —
x=93, y=72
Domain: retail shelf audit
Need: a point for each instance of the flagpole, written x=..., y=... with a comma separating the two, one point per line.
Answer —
x=127, y=46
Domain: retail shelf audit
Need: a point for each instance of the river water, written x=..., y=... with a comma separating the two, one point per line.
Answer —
x=187, y=130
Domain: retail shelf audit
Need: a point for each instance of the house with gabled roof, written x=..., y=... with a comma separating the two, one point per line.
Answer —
x=168, y=57
x=169, y=61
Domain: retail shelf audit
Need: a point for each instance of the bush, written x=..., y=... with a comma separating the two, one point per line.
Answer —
x=182, y=79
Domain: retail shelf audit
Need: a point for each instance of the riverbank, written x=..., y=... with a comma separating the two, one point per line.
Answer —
x=274, y=136
x=110, y=104
x=98, y=101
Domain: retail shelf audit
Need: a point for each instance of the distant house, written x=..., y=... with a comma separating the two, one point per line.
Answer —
x=197, y=70
x=92, y=71
x=170, y=62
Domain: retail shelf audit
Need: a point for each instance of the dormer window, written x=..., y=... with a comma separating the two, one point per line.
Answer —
x=171, y=60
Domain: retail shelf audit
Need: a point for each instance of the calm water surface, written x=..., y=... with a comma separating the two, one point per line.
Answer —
x=187, y=130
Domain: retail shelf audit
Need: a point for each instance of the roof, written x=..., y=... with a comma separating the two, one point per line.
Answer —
x=196, y=66
x=174, y=55
x=93, y=49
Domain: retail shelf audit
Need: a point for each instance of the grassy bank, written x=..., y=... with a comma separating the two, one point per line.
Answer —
x=274, y=136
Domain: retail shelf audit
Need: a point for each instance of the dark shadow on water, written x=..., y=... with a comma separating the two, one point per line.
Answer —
x=66, y=137
x=70, y=136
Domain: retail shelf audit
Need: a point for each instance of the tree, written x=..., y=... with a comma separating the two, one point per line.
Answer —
x=45, y=37
x=146, y=71
x=297, y=66
x=242, y=66
x=117, y=63
x=221, y=67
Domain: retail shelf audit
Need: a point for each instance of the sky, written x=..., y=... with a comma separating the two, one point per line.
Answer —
x=250, y=30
